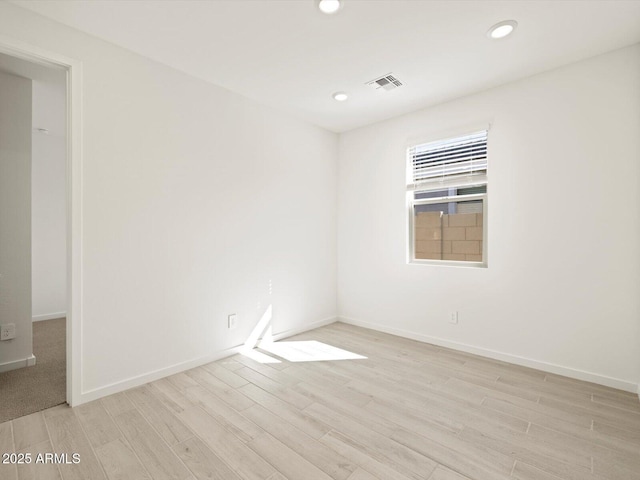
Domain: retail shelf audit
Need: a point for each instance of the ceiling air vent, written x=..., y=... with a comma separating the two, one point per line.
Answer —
x=388, y=82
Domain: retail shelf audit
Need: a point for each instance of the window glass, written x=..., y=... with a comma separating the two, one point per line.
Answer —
x=447, y=199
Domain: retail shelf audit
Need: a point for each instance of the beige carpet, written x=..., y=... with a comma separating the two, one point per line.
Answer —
x=31, y=389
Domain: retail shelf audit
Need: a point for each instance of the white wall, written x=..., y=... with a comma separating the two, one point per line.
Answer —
x=48, y=207
x=15, y=219
x=197, y=203
x=564, y=186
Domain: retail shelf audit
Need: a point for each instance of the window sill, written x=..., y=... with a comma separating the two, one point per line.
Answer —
x=448, y=263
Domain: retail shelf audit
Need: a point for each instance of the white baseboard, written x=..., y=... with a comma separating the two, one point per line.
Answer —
x=505, y=357
x=15, y=364
x=48, y=316
x=116, y=387
x=306, y=328
x=88, y=396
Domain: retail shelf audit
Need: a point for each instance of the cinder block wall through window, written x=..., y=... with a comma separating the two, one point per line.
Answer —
x=441, y=236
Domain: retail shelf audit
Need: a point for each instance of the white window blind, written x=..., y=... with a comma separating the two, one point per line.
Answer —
x=453, y=157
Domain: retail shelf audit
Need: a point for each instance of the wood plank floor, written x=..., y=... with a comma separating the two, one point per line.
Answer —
x=407, y=411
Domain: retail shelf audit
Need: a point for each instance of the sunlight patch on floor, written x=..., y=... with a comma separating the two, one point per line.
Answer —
x=259, y=356
x=294, y=351
x=308, y=351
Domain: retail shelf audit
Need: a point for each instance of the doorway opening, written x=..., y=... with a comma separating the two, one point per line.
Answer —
x=40, y=230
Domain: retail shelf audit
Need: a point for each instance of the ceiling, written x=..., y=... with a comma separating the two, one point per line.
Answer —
x=288, y=55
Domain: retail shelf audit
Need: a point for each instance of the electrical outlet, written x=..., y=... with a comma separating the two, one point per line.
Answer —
x=453, y=317
x=232, y=321
x=8, y=331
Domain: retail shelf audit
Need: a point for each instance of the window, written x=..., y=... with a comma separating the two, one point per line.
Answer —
x=447, y=201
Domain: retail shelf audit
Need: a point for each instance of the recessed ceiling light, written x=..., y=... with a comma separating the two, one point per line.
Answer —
x=340, y=96
x=329, y=6
x=502, y=29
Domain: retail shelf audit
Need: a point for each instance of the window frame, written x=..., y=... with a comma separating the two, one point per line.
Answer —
x=459, y=181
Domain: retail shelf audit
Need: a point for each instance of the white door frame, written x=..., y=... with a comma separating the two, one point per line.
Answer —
x=31, y=53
